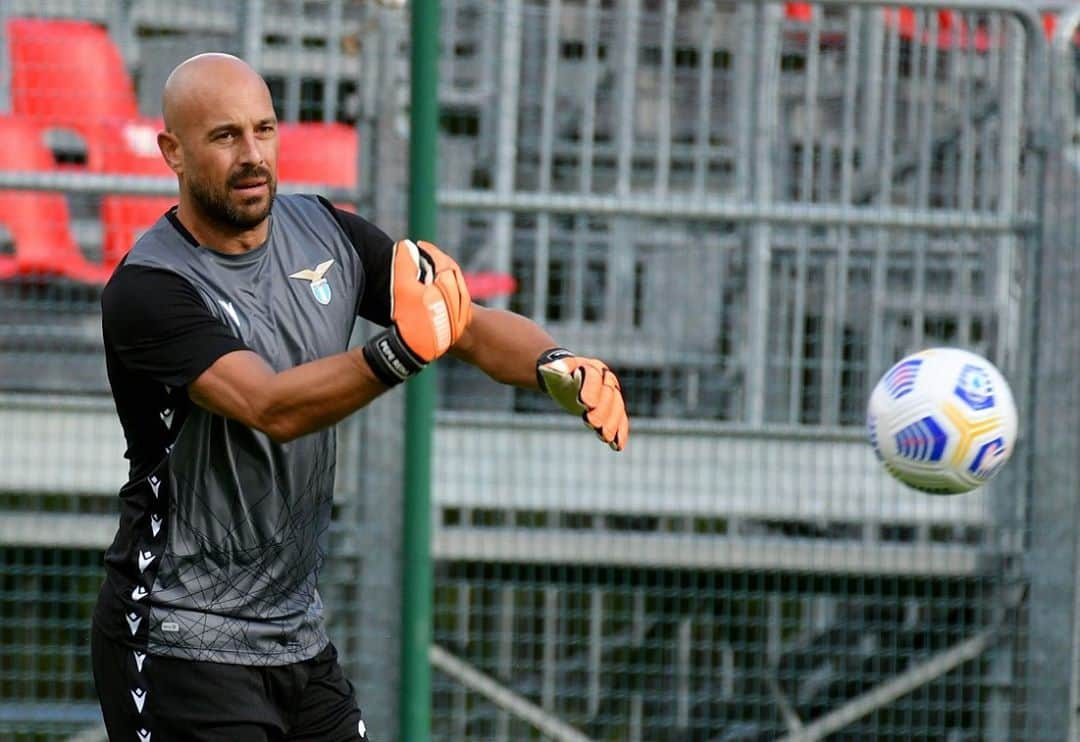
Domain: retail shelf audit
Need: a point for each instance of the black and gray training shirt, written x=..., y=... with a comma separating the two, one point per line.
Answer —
x=222, y=531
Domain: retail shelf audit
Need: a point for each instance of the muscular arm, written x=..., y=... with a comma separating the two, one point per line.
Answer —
x=286, y=405
x=158, y=325
x=503, y=345
x=508, y=347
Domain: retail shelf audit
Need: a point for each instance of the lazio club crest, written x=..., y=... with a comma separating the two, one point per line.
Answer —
x=320, y=288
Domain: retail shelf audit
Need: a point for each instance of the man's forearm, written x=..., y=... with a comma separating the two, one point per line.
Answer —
x=504, y=345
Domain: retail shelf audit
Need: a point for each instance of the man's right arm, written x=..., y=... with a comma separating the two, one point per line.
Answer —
x=290, y=403
x=157, y=324
x=430, y=309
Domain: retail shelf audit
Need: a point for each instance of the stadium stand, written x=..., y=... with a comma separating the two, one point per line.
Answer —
x=37, y=222
x=68, y=77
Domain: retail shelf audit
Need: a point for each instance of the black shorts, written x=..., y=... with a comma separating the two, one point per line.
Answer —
x=163, y=699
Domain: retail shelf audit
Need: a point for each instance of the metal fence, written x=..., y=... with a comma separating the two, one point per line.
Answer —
x=84, y=80
x=749, y=209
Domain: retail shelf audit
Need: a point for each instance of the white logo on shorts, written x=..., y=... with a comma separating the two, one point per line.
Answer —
x=361, y=728
x=144, y=736
x=140, y=657
x=139, y=696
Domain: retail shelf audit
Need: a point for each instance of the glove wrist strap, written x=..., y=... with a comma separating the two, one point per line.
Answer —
x=552, y=354
x=390, y=359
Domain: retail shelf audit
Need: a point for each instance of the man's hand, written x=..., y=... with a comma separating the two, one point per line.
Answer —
x=586, y=387
x=430, y=308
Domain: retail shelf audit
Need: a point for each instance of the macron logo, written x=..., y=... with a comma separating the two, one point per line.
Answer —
x=145, y=557
x=144, y=736
x=133, y=621
x=155, y=523
x=155, y=484
x=231, y=311
x=139, y=696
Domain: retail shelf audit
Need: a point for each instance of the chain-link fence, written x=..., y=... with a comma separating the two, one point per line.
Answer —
x=749, y=209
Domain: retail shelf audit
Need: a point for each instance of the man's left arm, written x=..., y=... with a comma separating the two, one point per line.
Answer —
x=514, y=350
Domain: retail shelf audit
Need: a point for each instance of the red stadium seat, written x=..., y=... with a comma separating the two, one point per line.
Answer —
x=318, y=153
x=131, y=150
x=1050, y=22
x=952, y=31
x=489, y=284
x=38, y=222
x=802, y=12
x=69, y=75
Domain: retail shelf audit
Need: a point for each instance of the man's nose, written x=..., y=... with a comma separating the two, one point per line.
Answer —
x=250, y=151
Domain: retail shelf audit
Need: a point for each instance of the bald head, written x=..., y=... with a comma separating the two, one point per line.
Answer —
x=220, y=139
x=202, y=80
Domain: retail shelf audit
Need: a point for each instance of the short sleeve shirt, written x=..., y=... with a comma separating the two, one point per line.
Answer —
x=222, y=530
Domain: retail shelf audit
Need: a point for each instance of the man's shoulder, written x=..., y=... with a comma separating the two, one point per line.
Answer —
x=160, y=246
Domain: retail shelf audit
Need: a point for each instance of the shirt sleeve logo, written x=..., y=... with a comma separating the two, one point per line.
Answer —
x=320, y=288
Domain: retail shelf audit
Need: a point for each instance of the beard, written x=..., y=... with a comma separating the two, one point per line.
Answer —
x=218, y=205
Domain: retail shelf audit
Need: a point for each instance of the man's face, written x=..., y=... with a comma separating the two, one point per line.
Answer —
x=230, y=158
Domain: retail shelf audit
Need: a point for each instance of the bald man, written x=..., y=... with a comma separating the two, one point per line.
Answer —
x=226, y=339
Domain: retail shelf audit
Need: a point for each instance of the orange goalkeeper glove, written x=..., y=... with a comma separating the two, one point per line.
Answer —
x=430, y=308
x=586, y=387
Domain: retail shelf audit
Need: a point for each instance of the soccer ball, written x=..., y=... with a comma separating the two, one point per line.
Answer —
x=942, y=421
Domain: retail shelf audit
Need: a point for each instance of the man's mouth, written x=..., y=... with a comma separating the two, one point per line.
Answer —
x=249, y=184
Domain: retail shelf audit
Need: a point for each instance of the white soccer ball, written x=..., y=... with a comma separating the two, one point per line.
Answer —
x=942, y=421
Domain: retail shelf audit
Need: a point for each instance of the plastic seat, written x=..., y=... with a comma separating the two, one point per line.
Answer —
x=69, y=75
x=802, y=12
x=952, y=31
x=131, y=150
x=38, y=221
x=1049, y=22
x=489, y=284
x=319, y=153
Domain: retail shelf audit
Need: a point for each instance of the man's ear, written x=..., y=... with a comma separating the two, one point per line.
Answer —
x=170, y=150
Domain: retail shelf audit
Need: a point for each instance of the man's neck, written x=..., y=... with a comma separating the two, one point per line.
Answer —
x=218, y=238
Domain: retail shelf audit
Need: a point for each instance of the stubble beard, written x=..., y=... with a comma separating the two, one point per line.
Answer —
x=216, y=203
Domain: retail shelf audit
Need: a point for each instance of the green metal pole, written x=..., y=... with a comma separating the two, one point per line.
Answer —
x=415, y=702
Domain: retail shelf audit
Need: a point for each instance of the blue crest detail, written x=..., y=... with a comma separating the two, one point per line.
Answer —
x=321, y=291
x=988, y=460
x=923, y=440
x=975, y=388
x=900, y=379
